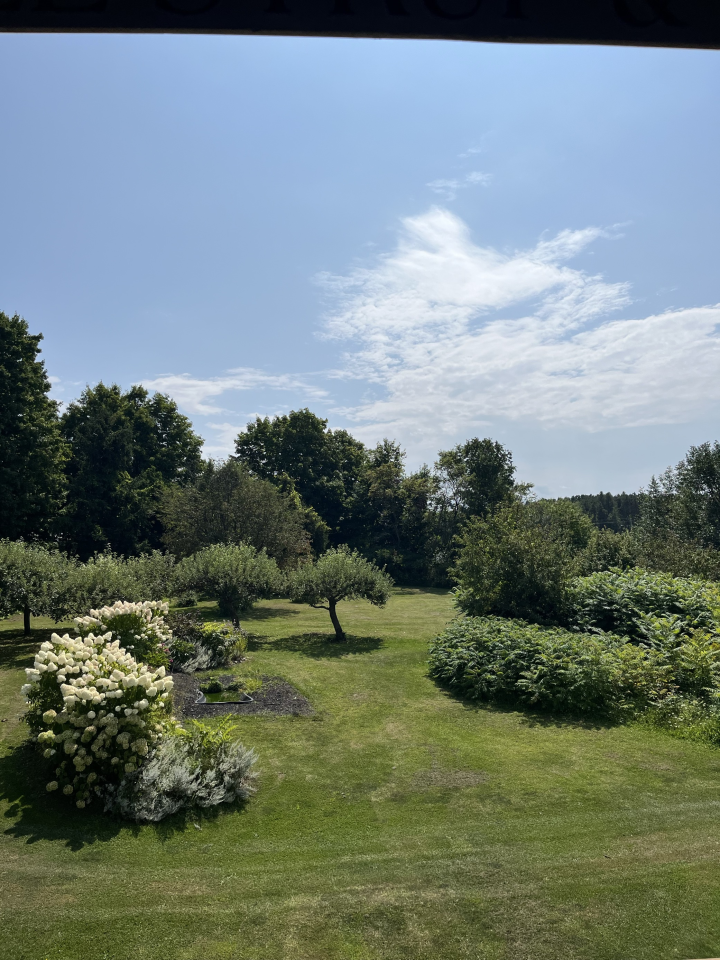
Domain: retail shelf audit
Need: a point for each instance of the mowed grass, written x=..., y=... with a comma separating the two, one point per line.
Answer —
x=399, y=822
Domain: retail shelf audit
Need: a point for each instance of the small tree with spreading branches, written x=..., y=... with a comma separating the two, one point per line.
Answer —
x=236, y=575
x=339, y=574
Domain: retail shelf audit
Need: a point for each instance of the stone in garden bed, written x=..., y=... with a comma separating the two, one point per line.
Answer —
x=276, y=696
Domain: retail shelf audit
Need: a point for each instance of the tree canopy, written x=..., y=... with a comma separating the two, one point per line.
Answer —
x=227, y=504
x=125, y=450
x=235, y=575
x=299, y=452
x=32, y=452
x=339, y=574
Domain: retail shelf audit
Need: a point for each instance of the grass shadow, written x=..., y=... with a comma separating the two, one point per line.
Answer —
x=319, y=646
x=36, y=815
x=269, y=613
x=527, y=715
x=17, y=650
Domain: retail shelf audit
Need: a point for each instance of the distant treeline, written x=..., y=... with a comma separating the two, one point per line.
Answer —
x=610, y=511
x=122, y=471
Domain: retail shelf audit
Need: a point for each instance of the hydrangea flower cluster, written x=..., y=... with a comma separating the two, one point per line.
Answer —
x=140, y=628
x=96, y=709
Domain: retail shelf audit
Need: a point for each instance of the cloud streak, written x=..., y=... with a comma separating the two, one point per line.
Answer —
x=448, y=189
x=192, y=393
x=456, y=334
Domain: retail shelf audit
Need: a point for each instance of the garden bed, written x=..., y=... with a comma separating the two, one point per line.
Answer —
x=276, y=696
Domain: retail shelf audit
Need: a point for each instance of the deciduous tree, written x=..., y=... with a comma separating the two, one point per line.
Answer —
x=32, y=452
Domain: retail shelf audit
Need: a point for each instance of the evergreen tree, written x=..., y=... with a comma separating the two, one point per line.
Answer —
x=125, y=450
x=32, y=453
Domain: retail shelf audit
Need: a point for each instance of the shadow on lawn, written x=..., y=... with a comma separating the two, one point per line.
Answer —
x=320, y=646
x=17, y=650
x=527, y=716
x=35, y=815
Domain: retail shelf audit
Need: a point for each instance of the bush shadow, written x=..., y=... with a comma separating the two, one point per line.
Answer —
x=319, y=646
x=36, y=815
x=528, y=716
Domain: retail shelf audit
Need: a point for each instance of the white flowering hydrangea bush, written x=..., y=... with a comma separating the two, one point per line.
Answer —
x=139, y=627
x=95, y=712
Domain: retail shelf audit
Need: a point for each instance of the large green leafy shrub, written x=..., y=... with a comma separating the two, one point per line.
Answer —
x=492, y=659
x=643, y=605
x=517, y=561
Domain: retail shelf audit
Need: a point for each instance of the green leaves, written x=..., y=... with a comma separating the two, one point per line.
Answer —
x=235, y=575
x=32, y=452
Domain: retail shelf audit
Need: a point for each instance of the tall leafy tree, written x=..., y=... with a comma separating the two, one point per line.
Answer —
x=125, y=450
x=373, y=523
x=227, y=504
x=298, y=451
x=32, y=452
x=473, y=479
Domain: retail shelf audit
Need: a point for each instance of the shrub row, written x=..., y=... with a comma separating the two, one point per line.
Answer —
x=550, y=668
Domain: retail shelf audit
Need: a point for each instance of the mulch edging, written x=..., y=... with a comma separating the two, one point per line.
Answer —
x=276, y=696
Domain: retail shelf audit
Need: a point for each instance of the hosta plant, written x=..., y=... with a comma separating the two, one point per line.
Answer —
x=95, y=712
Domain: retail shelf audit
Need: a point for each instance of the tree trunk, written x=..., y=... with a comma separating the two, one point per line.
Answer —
x=26, y=620
x=339, y=635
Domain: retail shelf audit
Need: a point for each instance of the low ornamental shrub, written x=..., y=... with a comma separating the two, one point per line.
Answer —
x=138, y=627
x=95, y=712
x=196, y=767
x=197, y=645
x=493, y=659
x=630, y=602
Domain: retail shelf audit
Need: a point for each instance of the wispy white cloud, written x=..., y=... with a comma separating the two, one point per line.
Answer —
x=471, y=152
x=453, y=334
x=192, y=393
x=448, y=189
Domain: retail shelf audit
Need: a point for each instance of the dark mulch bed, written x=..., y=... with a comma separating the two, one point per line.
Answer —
x=275, y=696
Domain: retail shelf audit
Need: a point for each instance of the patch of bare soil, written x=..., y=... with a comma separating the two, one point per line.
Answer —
x=275, y=696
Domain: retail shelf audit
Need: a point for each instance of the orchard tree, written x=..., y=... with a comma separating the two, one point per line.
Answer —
x=33, y=581
x=126, y=449
x=339, y=574
x=32, y=452
x=235, y=575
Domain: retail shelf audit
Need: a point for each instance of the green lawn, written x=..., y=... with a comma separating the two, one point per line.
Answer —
x=399, y=822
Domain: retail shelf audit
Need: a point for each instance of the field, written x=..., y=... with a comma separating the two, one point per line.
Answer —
x=398, y=822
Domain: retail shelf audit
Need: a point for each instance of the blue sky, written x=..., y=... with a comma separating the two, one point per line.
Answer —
x=417, y=239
